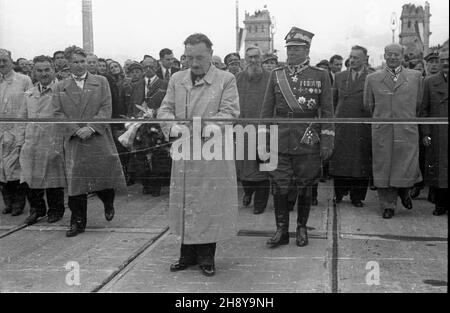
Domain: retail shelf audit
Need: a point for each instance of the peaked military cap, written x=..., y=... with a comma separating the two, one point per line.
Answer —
x=298, y=37
x=431, y=55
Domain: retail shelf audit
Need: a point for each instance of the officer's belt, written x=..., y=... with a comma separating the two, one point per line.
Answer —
x=287, y=92
x=284, y=114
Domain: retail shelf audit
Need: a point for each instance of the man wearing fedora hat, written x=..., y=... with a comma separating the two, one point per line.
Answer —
x=298, y=90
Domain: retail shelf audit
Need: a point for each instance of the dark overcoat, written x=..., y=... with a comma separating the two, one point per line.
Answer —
x=93, y=164
x=352, y=156
x=435, y=104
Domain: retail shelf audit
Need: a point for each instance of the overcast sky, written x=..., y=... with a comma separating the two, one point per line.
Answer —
x=132, y=28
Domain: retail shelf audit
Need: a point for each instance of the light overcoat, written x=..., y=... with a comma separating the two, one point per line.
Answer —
x=395, y=147
x=203, y=193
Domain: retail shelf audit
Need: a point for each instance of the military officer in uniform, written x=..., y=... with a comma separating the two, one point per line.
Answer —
x=298, y=90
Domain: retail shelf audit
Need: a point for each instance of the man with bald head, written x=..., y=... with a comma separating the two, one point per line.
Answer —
x=392, y=93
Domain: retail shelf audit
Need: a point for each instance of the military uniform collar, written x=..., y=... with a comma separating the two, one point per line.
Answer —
x=295, y=69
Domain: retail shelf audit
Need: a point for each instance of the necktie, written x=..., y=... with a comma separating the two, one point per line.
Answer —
x=167, y=75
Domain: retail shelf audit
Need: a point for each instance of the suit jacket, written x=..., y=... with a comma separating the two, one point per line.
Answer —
x=155, y=95
x=92, y=164
x=395, y=147
x=159, y=73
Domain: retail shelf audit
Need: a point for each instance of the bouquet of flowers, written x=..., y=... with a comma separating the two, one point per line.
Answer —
x=127, y=138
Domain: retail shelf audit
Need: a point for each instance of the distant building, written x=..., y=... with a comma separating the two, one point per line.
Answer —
x=415, y=29
x=258, y=28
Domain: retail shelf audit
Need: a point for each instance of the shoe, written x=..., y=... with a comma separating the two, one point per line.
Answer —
x=388, y=213
x=301, y=236
x=439, y=211
x=338, y=199
x=16, y=212
x=74, y=230
x=208, y=270
x=7, y=210
x=109, y=212
x=53, y=218
x=357, y=203
x=415, y=192
x=258, y=211
x=280, y=238
x=372, y=187
x=314, y=202
x=32, y=219
x=175, y=267
x=246, y=200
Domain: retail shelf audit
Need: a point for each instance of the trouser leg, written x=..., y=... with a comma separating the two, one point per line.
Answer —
x=441, y=199
x=261, y=195
x=106, y=196
x=36, y=199
x=206, y=253
x=358, y=188
x=7, y=198
x=78, y=207
x=18, y=192
x=314, y=191
x=387, y=197
x=188, y=255
x=340, y=187
x=248, y=187
x=55, y=201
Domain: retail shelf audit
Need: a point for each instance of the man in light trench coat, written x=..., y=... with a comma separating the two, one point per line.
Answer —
x=394, y=92
x=203, y=194
x=42, y=156
x=12, y=91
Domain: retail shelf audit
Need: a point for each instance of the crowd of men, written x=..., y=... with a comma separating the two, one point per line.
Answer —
x=396, y=160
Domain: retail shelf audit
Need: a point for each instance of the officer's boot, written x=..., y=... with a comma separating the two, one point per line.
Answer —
x=303, y=208
x=281, y=236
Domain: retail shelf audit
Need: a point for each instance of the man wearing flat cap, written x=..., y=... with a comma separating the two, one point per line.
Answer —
x=298, y=90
